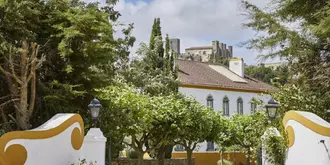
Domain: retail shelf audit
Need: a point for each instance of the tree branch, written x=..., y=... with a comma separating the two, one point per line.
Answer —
x=5, y=119
x=9, y=74
x=35, y=48
x=7, y=102
x=194, y=146
x=4, y=97
x=24, y=56
x=12, y=68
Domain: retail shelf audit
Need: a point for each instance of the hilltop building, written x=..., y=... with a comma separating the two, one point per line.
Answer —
x=204, y=53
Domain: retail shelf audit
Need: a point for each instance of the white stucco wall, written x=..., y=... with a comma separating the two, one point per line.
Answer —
x=56, y=150
x=201, y=94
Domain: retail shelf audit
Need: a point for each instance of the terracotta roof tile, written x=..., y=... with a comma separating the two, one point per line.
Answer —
x=200, y=74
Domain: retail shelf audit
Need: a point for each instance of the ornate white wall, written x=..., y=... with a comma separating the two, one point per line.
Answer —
x=305, y=132
x=57, y=142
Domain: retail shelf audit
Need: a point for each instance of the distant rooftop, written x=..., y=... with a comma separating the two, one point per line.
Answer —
x=201, y=74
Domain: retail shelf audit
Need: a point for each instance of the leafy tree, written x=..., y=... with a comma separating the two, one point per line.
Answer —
x=268, y=74
x=222, y=134
x=142, y=75
x=265, y=74
x=305, y=47
x=220, y=60
x=292, y=97
x=77, y=43
x=247, y=132
x=134, y=111
x=150, y=122
x=196, y=127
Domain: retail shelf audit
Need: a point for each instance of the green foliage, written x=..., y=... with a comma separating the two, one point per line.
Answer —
x=77, y=42
x=247, y=132
x=132, y=154
x=220, y=60
x=156, y=34
x=268, y=74
x=305, y=47
x=145, y=120
x=168, y=68
x=275, y=148
x=144, y=73
x=265, y=74
x=291, y=97
x=153, y=34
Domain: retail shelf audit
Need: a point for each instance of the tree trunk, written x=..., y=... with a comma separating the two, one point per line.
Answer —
x=221, y=153
x=22, y=116
x=248, y=160
x=140, y=158
x=19, y=77
x=189, y=156
x=161, y=155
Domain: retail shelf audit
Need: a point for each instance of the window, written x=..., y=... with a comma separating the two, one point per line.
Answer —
x=225, y=104
x=240, y=106
x=179, y=147
x=210, y=146
x=209, y=101
x=204, y=52
x=253, y=106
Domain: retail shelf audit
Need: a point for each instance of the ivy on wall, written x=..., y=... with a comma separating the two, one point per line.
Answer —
x=275, y=147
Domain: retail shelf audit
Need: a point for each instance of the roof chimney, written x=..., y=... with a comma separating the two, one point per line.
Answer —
x=236, y=65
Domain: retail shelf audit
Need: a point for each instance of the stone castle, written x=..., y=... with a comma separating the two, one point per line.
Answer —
x=202, y=53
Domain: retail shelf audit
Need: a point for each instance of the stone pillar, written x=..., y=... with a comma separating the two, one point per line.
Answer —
x=94, y=147
x=271, y=130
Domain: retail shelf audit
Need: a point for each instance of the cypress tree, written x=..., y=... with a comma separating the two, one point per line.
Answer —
x=167, y=47
x=171, y=63
x=167, y=63
x=153, y=35
x=161, y=47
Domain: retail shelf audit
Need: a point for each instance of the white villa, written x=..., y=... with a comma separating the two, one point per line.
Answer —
x=221, y=88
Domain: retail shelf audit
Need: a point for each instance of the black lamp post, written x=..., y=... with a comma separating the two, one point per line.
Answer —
x=271, y=109
x=95, y=107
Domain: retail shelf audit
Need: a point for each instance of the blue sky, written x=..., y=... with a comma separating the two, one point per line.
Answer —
x=194, y=22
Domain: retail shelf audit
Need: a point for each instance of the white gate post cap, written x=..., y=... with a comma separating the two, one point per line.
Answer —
x=95, y=135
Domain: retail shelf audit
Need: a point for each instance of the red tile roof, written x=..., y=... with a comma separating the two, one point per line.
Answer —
x=201, y=75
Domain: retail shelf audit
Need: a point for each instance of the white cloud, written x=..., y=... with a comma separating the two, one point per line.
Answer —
x=195, y=22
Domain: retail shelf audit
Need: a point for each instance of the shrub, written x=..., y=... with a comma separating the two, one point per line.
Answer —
x=132, y=154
